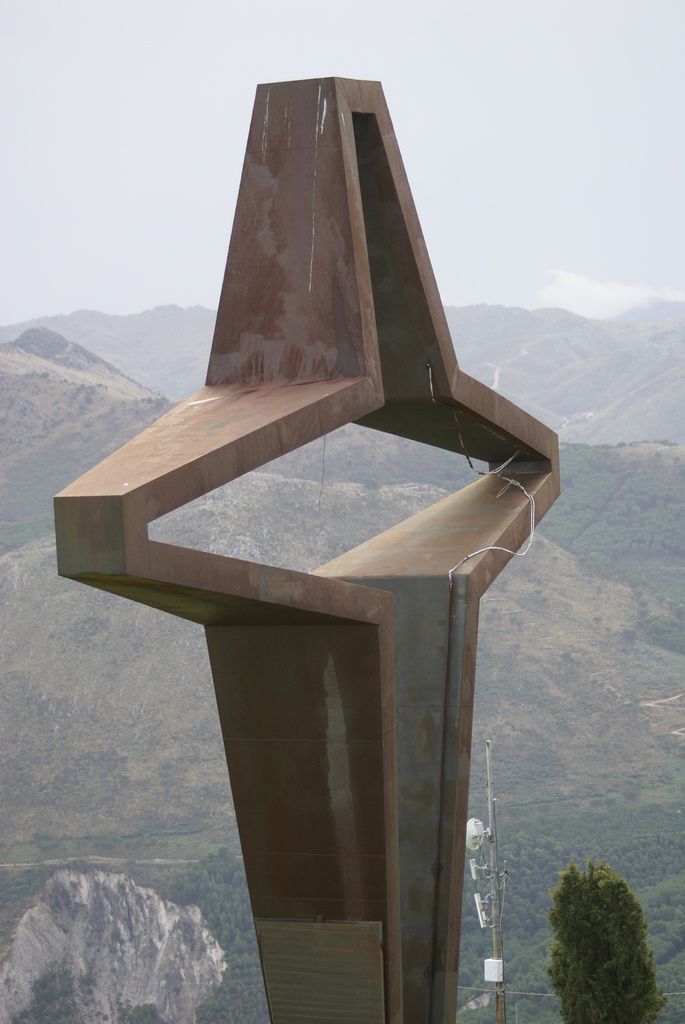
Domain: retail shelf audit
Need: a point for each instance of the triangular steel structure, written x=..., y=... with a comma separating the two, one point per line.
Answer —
x=345, y=695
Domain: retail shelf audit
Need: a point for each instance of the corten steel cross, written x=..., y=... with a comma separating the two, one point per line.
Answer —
x=345, y=695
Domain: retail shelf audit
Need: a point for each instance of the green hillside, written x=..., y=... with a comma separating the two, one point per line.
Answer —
x=109, y=738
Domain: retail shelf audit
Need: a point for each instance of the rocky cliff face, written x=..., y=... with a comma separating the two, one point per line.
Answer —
x=122, y=944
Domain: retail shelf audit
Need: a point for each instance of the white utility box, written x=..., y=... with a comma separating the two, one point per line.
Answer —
x=494, y=970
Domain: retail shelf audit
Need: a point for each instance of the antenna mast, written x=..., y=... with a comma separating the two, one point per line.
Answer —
x=489, y=905
x=496, y=880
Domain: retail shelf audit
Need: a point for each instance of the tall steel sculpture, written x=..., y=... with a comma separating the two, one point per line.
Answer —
x=345, y=695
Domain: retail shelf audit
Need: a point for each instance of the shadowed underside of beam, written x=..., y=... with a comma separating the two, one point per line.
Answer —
x=346, y=695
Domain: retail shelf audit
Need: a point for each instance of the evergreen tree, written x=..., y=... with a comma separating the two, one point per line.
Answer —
x=601, y=966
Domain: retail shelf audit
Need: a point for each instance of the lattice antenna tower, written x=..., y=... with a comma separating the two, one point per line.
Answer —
x=489, y=888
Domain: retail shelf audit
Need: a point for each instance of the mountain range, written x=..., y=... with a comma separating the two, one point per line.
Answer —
x=89, y=685
x=600, y=381
x=61, y=409
x=109, y=739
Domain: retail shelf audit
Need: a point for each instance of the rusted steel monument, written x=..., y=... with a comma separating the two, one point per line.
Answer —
x=345, y=695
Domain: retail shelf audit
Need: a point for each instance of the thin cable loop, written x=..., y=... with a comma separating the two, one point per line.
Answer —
x=510, y=482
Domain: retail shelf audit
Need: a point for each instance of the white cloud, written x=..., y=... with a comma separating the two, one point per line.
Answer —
x=600, y=299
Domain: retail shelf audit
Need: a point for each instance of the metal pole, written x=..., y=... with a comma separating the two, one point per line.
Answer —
x=495, y=881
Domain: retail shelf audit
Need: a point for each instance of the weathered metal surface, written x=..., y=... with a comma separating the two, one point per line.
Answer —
x=435, y=631
x=306, y=715
x=323, y=972
x=330, y=314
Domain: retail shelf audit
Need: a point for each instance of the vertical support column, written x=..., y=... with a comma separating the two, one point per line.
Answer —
x=435, y=655
x=459, y=700
x=421, y=631
x=308, y=723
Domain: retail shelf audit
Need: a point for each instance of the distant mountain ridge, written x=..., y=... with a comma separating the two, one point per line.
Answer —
x=61, y=409
x=656, y=309
x=165, y=349
x=93, y=694
x=600, y=381
x=109, y=737
x=39, y=350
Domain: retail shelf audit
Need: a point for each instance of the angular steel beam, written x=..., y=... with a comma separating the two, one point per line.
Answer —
x=330, y=314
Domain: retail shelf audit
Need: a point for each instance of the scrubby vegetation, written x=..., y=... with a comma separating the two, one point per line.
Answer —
x=53, y=999
x=620, y=513
x=537, y=845
x=217, y=885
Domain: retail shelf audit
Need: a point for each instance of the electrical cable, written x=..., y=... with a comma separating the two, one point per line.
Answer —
x=542, y=995
x=510, y=482
x=510, y=991
x=496, y=547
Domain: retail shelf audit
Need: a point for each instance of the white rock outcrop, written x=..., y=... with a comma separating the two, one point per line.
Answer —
x=128, y=944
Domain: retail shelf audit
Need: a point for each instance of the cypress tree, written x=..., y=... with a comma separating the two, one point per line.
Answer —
x=601, y=966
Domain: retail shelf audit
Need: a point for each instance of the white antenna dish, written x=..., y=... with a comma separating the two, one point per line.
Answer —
x=475, y=833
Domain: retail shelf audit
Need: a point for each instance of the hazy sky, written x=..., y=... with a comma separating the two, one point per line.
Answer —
x=544, y=141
